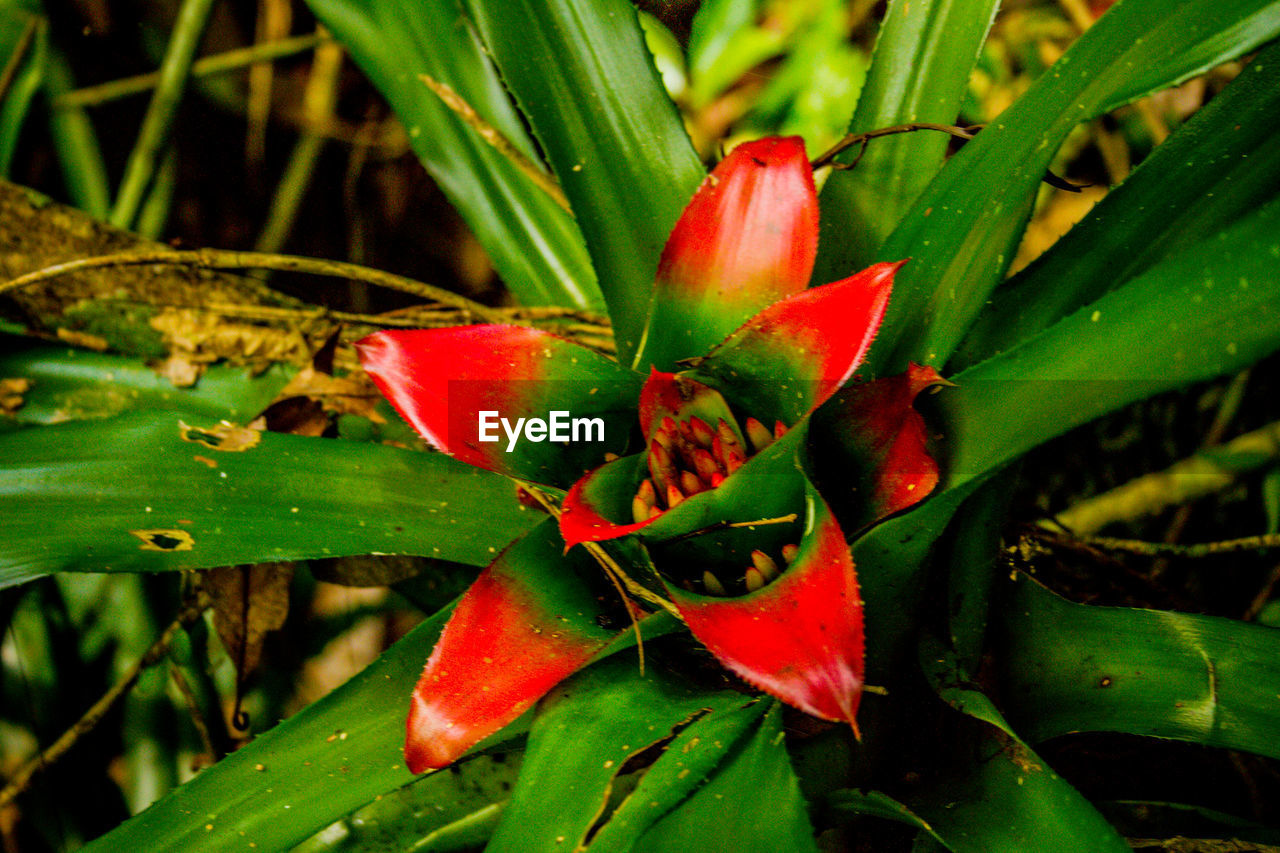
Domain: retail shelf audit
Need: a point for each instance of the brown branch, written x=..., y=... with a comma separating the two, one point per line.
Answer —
x=828, y=157
x=218, y=63
x=18, y=781
x=1263, y=542
x=223, y=260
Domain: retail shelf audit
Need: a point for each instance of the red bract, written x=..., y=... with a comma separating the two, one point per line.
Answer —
x=745, y=395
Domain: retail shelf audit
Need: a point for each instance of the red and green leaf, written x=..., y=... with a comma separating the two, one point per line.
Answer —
x=748, y=238
x=528, y=622
x=598, y=507
x=792, y=356
x=871, y=434
x=799, y=638
x=440, y=380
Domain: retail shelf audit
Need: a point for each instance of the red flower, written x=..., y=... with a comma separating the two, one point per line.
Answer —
x=726, y=440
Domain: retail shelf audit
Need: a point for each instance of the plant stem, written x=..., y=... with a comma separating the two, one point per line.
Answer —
x=1263, y=542
x=19, y=780
x=19, y=55
x=206, y=66
x=156, y=125
x=223, y=260
x=318, y=103
x=1186, y=480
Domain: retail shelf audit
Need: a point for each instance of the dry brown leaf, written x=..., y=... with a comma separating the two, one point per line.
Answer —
x=83, y=339
x=353, y=394
x=248, y=602
x=180, y=370
x=11, y=391
x=204, y=337
x=367, y=571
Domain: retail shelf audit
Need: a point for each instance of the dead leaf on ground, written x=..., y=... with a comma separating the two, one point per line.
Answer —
x=248, y=602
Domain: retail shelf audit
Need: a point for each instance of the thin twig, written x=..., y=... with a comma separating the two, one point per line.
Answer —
x=554, y=509
x=1264, y=595
x=1263, y=542
x=19, y=780
x=206, y=66
x=193, y=709
x=494, y=137
x=156, y=125
x=1232, y=397
x=1186, y=480
x=222, y=260
x=726, y=525
x=606, y=562
x=827, y=158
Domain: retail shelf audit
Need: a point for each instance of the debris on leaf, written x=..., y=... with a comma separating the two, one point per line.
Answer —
x=11, y=391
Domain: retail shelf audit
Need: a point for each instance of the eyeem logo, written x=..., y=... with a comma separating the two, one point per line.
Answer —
x=558, y=426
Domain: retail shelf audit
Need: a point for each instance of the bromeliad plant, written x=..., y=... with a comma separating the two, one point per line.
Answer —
x=751, y=473
x=779, y=605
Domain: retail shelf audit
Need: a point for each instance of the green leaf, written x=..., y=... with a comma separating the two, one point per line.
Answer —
x=148, y=495
x=961, y=233
x=726, y=43
x=424, y=813
x=919, y=72
x=581, y=73
x=1201, y=313
x=535, y=246
x=1221, y=165
x=1001, y=795
x=972, y=545
x=328, y=760
x=84, y=172
x=72, y=384
x=1003, y=798
x=752, y=803
x=583, y=733
x=1073, y=667
x=684, y=765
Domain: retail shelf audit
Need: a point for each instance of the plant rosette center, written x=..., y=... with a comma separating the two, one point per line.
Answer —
x=750, y=553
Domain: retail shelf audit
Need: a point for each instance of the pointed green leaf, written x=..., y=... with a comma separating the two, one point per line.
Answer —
x=684, y=766
x=1209, y=310
x=149, y=495
x=429, y=810
x=581, y=73
x=1219, y=166
x=1074, y=668
x=329, y=759
x=919, y=73
x=1004, y=799
x=582, y=735
x=758, y=788
x=535, y=246
x=962, y=232
x=1001, y=796
x=73, y=384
